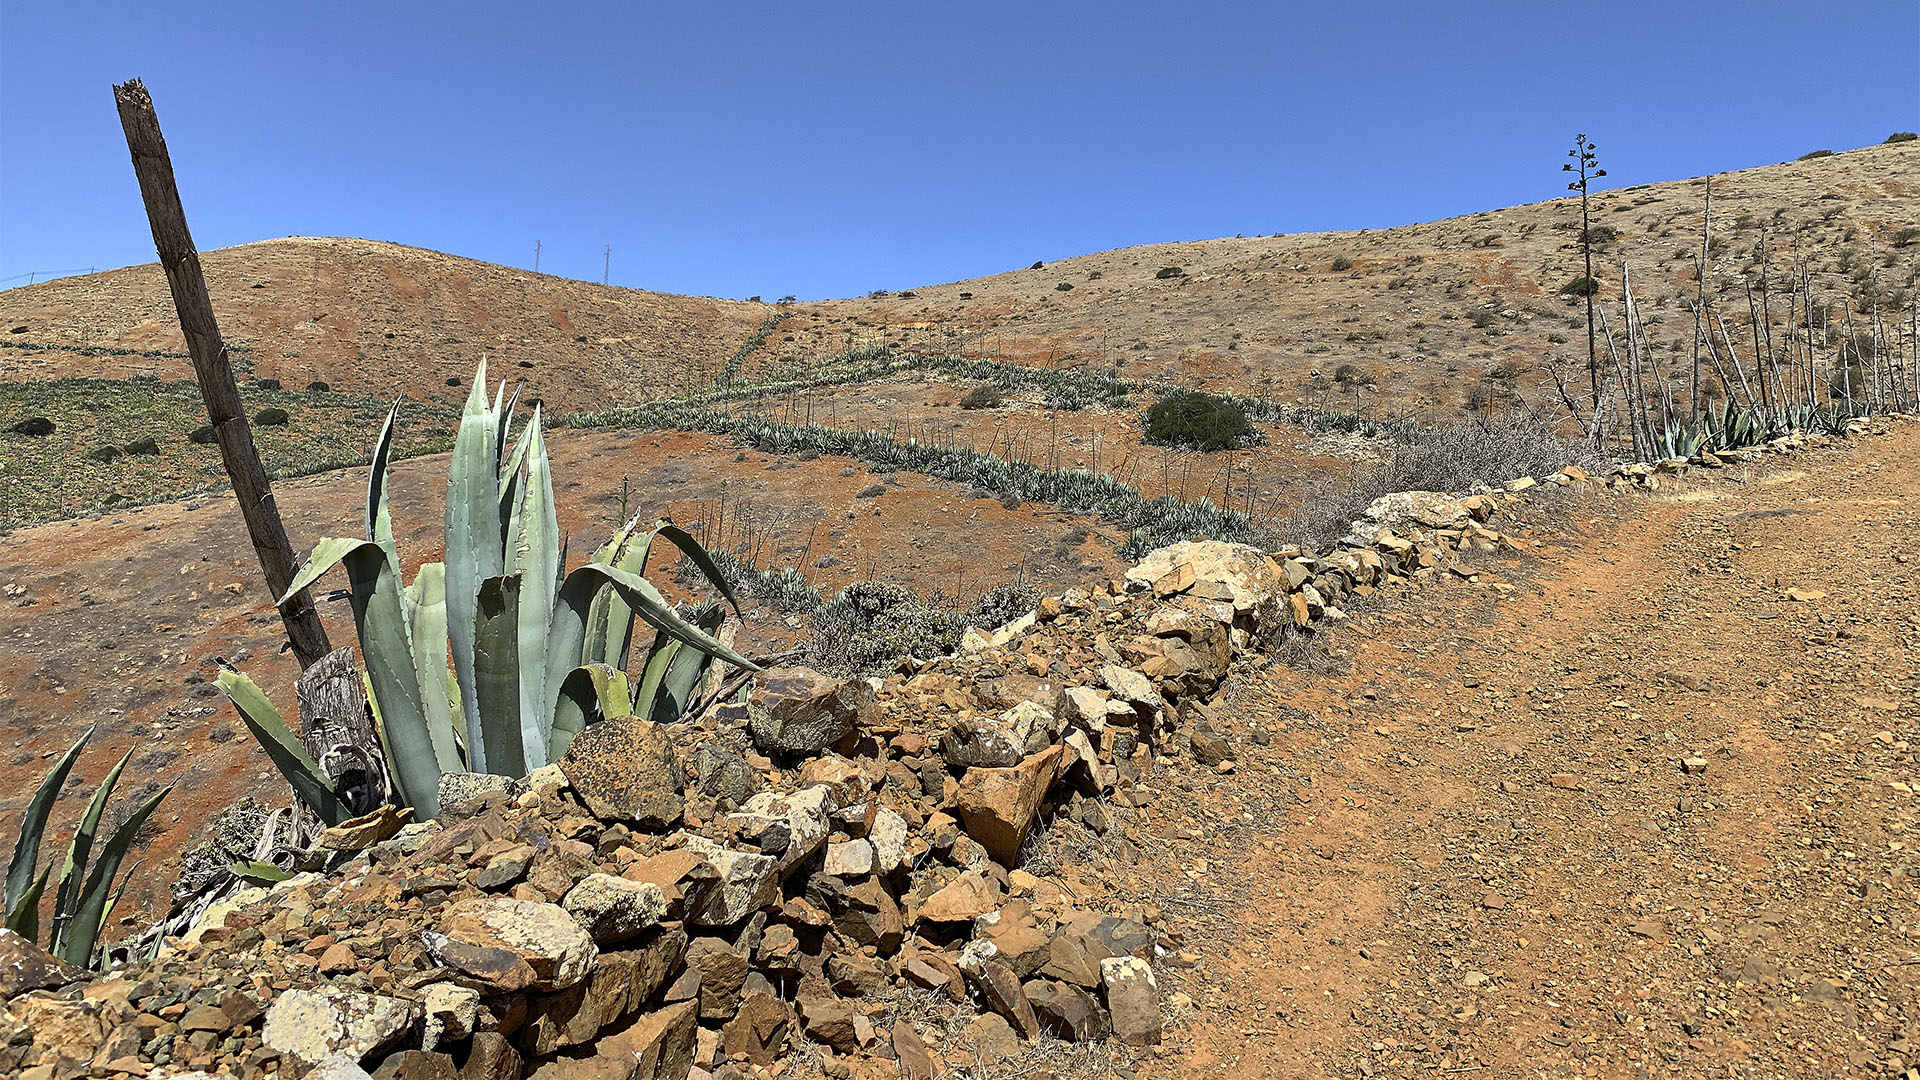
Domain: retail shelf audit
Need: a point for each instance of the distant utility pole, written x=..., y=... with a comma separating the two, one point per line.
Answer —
x=536, y=256
x=606, y=271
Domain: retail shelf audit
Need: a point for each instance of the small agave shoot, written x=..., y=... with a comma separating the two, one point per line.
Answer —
x=85, y=897
x=536, y=654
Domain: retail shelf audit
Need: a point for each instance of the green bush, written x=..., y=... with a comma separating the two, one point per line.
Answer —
x=202, y=436
x=318, y=387
x=1341, y=263
x=271, y=416
x=1811, y=154
x=987, y=396
x=104, y=454
x=1906, y=236
x=1166, y=272
x=1902, y=136
x=1065, y=286
x=1197, y=420
x=147, y=447
x=1581, y=286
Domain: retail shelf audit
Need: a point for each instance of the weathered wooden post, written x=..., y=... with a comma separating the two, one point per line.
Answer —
x=211, y=367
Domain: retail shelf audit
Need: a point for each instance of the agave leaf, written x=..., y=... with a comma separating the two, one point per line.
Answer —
x=496, y=652
x=330, y=552
x=472, y=545
x=588, y=691
x=76, y=945
x=80, y=849
x=379, y=521
x=513, y=486
x=427, y=623
x=23, y=917
x=538, y=560
x=378, y=614
x=260, y=872
x=309, y=781
x=610, y=622
x=503, y=406
x=114, y=900
x=26, y=847
x=570, y=615
x=685, y=672
x=659, y=658
x=693, y=550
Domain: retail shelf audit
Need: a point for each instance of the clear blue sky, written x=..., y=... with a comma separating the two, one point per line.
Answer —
x=829, y=149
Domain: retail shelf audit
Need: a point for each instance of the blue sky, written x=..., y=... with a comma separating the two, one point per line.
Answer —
x=830, y=149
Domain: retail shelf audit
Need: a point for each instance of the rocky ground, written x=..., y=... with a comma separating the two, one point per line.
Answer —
x=1647, y=813
x=1615, y=784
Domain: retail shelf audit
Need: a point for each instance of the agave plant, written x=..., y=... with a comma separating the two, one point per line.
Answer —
x=536, y=654
x=85, y=896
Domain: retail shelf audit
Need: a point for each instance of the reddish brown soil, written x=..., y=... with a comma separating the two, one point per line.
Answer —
x=116, y=620
x=1474, y=847
x=1262, y=479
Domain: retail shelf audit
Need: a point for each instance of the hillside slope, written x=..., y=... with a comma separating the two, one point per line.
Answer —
x=1429, y=311
x=1425, y=312
x=369, y=317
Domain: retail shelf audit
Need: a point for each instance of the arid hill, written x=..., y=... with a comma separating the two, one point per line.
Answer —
x=1415, y=319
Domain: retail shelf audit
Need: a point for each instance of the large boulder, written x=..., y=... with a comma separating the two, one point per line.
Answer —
x=748, y=881
x=965, y=898
x=1214, y=570
x=658, y=1046
x=615, y=908
x=1133, y=999
x=1026, y=728
x=625, y=769
x=317, y=1024
x=1416, y=509
x=507, y=945
x=792, y=828
x=26, y=966
x=798, y=711
x=998, y=806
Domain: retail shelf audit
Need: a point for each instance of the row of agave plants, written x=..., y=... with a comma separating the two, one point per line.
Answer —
x=1065, y=390
x=1152, y=522
x=1735, y=426
x=747, y=348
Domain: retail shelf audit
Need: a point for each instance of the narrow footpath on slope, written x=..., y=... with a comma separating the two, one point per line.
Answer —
x=1638, y=802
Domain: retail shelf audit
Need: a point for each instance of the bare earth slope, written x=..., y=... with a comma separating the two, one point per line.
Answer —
x=1644, y=816
x=1430, y=310
x=1427, y=311
x=369, y=317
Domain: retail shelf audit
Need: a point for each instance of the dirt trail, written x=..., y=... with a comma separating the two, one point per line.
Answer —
x=1643, y=815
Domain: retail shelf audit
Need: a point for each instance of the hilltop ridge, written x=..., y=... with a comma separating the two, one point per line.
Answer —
x=1423, y=314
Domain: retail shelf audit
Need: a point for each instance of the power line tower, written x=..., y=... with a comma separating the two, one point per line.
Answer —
x=536, y=256
x=606, y=270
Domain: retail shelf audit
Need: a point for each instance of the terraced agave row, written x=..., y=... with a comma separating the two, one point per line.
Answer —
x=1064, y=390
x=1152, y=522
x=747, y=348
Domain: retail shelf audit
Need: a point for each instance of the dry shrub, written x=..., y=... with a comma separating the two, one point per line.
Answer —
x=1458, y=458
